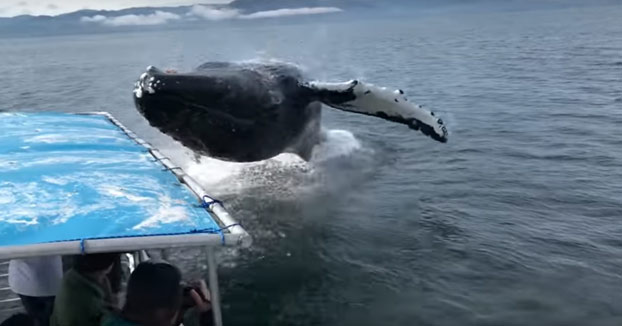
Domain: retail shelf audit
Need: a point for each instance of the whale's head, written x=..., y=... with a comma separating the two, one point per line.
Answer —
x=169, y=100
x=226, y=111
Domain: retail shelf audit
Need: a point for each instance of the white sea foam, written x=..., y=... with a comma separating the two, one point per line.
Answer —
x=223, y=178
x=339, y=143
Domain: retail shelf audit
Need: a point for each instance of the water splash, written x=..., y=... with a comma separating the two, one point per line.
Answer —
x=282, y=174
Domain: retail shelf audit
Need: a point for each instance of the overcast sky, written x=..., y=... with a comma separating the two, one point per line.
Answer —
x=10, y=8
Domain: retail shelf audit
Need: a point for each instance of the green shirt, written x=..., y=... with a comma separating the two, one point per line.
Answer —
x=80, y=302
x=191, y=318
x=116, y=320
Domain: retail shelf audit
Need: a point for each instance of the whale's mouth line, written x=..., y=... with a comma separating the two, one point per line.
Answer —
x=194, y=109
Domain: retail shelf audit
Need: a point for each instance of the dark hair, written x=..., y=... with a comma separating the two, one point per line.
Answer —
x=19, y=319
x=91, y=263
x=153, y=286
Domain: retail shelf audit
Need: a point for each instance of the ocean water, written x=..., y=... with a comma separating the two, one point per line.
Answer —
x=515, y=221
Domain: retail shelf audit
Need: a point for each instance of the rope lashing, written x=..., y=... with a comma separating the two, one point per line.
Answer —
x=219, y=231
x=208, y=202
x=82, y=249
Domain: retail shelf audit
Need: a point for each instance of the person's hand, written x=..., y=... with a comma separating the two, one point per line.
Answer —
x=205, y=291
x=110, y=298
x=199, y=303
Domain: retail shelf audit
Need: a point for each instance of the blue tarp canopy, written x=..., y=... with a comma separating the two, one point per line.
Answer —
x=70, y=180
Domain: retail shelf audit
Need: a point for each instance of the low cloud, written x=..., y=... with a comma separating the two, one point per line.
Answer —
x=211, y=13
x=157, y=18
x=291, y=12
x=93, y=19
x=204, y=12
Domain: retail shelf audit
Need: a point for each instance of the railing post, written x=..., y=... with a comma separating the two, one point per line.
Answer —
x=212, y=268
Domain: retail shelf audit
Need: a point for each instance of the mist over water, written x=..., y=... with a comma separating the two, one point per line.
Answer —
x=514, y=221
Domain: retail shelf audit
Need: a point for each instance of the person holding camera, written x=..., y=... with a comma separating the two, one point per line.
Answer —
x=156, y=296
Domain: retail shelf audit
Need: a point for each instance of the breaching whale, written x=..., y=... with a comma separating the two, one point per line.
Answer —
x=248, y=112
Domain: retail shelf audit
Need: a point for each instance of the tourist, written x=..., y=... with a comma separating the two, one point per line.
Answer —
x=36, y=281
x=85, y=295
x=156, y=297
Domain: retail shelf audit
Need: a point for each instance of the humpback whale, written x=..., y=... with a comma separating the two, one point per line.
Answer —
x=248, y=112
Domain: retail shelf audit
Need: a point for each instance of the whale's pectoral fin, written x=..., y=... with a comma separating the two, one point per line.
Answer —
x=355, y=96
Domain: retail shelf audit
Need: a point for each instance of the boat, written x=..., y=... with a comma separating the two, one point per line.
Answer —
x=80, y=183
